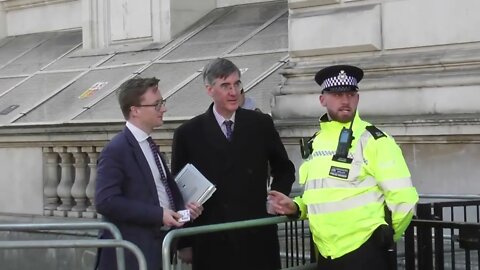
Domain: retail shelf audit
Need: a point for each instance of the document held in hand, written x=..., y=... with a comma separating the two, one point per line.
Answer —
x=193, y=185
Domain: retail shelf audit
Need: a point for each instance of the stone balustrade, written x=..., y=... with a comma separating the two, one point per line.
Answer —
x=69, y=184
x=50, y=170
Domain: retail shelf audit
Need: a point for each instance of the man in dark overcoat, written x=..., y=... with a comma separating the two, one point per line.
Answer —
x=234, y=148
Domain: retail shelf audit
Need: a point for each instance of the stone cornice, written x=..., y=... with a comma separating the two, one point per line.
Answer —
x=435, y=128
x=407, y=61
x=80, y=134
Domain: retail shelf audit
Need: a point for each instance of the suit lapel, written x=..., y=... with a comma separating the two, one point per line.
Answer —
x=212, y=131
x=241, y=124
x=142, y=163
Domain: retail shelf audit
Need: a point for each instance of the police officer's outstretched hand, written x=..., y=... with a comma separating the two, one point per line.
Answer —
x=281, y=203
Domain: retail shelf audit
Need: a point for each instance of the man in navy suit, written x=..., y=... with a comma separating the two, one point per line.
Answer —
x=134, y=188
x=237, y=150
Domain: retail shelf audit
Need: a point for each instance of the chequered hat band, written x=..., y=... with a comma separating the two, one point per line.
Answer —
x=339, y=81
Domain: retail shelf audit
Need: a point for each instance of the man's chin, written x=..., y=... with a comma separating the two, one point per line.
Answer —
x=159, y=123
x=343, y=118
x=234, y=108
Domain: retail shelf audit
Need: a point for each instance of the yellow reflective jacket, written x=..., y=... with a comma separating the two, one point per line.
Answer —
x=345, y=202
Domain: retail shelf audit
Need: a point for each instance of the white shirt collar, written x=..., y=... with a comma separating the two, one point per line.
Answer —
x=220, y=119
x=139, y=134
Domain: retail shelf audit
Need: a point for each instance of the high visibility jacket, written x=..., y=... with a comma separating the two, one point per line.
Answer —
x=344, y=202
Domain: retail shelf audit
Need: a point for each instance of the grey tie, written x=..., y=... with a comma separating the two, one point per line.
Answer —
x=228, y=126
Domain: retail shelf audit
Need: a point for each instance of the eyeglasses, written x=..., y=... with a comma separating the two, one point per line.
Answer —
x=227, y=86
x=158, y=106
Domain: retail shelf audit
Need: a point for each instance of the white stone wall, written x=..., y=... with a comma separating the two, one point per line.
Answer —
x=419, y=57
x=413, y=23
x=351, y=29
x=320, y=28
x=444, y=168
x=421, y=84
x=24, y=17
x=21, y=180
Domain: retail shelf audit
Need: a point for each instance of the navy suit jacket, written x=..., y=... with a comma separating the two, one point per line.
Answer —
x=126, y=196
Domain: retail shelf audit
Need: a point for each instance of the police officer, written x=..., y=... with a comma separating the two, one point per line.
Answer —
x=358, y=194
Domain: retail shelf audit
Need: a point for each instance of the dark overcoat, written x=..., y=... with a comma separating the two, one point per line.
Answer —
x=240, y=171
x=126, y=196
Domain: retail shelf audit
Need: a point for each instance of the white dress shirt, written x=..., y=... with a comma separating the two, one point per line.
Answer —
x=221, y=121
x=141, y=137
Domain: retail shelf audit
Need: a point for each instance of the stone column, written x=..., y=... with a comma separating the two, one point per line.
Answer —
x=66, y=182
x=51, y=181
x=80, y=182
x=90, y=191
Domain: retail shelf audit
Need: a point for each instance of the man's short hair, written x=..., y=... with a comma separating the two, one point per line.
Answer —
x=130, y=92
x=218, y=68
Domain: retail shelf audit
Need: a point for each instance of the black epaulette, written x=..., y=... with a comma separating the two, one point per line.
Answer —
x=306, y=146
x=376, y=133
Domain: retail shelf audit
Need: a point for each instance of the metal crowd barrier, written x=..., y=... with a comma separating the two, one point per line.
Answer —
x=297, y=238
x=445, y=235
x=411, y=252
x=116, y=242
x=425, y=250
x=172, y=235
x=419, y=250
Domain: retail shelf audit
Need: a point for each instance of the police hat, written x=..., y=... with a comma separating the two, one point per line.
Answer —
x=339, y=78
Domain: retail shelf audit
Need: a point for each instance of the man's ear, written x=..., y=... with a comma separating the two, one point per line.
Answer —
x=209, y=89
x=322, y=100
x=133, y=111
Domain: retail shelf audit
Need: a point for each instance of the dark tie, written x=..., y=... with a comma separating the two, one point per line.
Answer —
x=228, y=125
x=163, y=177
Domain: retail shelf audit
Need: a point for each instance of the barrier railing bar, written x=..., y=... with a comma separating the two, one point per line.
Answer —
x=62, y=226
x=449, y=196
x=213, y=228
x=72, y=226
x=20, y=244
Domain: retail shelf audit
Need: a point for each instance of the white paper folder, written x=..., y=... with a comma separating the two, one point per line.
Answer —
x=193, y=185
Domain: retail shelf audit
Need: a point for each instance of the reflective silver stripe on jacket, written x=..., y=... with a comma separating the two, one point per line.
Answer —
x=401, y=207
x=396, y=184
x=357, y=201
